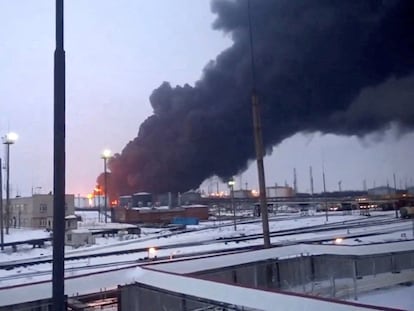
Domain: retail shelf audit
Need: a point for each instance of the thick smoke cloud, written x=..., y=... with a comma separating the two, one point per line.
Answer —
x=334, y=66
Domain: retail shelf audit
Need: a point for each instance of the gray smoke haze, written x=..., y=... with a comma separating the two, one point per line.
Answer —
x=334, y=66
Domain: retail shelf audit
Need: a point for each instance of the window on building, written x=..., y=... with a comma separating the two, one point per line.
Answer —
x=69, y=237
x=43, y=207
x=43, y=222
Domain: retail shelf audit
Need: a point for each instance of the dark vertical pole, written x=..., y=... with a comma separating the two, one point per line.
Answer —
x=1, y=209
x=395, y=188
x=7, y=187
x=324, y=193
x=59, y=167
x=395, y=182
x=106, y=191
x=258, y=139
x=233, y=206
x=99, y=203
x=311, y=179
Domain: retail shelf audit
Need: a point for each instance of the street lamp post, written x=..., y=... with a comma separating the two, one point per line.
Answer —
x=97, y=193
x=106, y=154
x=8, y=140
x=59, y=160
x=231, y=184
x=1, y=209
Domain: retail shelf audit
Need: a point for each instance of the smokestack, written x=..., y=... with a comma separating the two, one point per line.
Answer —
x=179, y=199
x=329, y=69
x=311, y=179
x=169, y=200
x=395, y=181
x=324, y=184
x=295, y=183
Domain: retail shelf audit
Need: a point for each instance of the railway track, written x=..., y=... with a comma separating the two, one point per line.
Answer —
x=126, y=263
x=244, y=238
x=122, y=264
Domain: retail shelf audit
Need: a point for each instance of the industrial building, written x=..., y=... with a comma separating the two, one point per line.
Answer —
x=145, y=199
x=158, y=215
x=279, y=192
x=381, y=191
x=36, y=211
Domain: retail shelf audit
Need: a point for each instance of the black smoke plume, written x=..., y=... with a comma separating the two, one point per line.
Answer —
x=334, y=66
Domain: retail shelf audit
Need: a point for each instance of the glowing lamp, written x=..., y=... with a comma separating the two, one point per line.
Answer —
x=10, y=138
x=106, y=154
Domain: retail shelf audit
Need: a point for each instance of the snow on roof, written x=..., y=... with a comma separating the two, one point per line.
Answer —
x=141, y=208
x=162, y=207
x=155, y=208
x=195, y=205
x=247, y=297
x=75, y=231
x=250, y=298
x=71, y=217
x=83, y=284
x=112, y=225
x=142, y=193
x=24, y=234
x=194, y=265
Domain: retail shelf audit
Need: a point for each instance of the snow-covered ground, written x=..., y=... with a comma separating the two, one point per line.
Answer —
x=204, y=235
x=154, y=237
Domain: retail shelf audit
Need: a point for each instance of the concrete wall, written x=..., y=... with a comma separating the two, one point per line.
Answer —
x=139, y=297
x=305, y=273
x=77, y=238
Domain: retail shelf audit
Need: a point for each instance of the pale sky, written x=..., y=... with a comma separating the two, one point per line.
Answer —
x=117, y=53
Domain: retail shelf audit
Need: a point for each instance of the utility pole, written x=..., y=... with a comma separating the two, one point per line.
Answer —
x=340, y=186
x=59, y=173
x=233, y=206
x=395, y=187
x=324, y=192
x=258, y=139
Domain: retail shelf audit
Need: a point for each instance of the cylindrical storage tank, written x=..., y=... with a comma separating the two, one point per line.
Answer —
x=141, y=199
x=125, y=201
